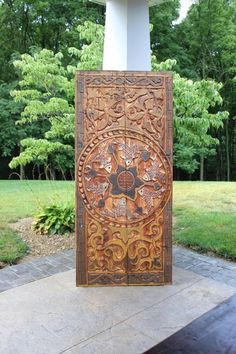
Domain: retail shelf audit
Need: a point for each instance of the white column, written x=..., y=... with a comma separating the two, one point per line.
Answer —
x=127, y=36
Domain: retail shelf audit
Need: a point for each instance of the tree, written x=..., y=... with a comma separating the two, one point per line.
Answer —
x=41, y=24
x=46, y=90
x=10, y=111
x=207, y=38
x=47, y=95
x=27, y=27
x=163, y=41
x=193, y=119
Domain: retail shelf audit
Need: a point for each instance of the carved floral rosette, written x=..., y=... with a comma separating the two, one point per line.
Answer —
x=124, y=178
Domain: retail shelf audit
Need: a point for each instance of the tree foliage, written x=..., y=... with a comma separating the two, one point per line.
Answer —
x=50, y=40
x=46, y=92
x=163, y=41
x=10, y=135
x=42, y=24
x=193, y=118
x=207, y=41
x=46, y=89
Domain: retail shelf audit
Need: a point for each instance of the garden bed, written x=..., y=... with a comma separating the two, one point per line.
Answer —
x=41, y=245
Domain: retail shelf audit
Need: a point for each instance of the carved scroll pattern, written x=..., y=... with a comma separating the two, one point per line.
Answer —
x=137, y=108
x=109, y=247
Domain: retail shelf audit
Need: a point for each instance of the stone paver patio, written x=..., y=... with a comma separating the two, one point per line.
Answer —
x=210, y=267
x=51, y=316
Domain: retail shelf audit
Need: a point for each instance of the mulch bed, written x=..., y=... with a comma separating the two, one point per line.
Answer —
x=41, y=245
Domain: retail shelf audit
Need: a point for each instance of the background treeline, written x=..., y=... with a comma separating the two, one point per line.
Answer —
x=42, y=43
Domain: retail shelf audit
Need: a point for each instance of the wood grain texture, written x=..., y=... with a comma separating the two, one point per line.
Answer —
x=123, y=178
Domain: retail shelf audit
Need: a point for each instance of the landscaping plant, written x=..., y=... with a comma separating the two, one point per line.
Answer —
x=55, y=219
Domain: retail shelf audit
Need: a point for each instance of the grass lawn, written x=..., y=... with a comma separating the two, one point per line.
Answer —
x=205, y=213
x=19, y=199
x=11, y=246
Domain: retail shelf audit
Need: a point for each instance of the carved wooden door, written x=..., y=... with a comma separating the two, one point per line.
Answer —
x=123, y=178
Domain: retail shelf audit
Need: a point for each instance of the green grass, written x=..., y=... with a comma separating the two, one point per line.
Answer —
x=11, y=246
x=19, y=199
x=205, y=217
x=205, y=212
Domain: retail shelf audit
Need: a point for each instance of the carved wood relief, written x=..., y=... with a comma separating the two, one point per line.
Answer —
x=123, y=178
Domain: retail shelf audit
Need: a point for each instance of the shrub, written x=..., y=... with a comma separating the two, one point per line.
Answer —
x=55, y=219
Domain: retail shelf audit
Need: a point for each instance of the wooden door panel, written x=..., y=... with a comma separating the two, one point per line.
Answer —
x=124, y=178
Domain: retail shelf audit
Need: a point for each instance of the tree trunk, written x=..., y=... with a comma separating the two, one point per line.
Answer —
x=72, y=173
x=222, y=172
x=46, y=172
x=22, y=172
x=39, y=173
x=22, y=169
x=217, y=164
x=202, y=168
x=52, y=173
x=227, y=149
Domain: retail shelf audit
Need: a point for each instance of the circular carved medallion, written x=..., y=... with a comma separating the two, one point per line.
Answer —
x=123, y=177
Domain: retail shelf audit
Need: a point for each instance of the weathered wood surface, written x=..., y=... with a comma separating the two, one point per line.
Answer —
x=123, y=178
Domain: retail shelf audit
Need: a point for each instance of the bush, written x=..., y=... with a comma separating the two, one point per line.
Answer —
x=54, y=219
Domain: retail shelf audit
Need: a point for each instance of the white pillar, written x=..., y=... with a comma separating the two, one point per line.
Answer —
x=127, y=35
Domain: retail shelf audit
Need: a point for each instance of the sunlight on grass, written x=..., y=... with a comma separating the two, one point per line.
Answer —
x=210, y=196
